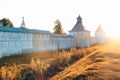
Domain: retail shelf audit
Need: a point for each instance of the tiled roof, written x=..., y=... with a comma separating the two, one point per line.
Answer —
x=10, y=29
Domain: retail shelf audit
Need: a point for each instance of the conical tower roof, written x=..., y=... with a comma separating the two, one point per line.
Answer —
x=78, y=26
x=99, y=29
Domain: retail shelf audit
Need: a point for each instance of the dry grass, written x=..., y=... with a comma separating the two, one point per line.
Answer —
x=102, y=64
x=38, y=66
x=26, y=58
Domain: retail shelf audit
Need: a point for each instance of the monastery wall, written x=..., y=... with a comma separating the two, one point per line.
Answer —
x=13, y=42
x=21, y=40
x=100, y=37
x=18, y=40
x=61, y=41
x=93, y=41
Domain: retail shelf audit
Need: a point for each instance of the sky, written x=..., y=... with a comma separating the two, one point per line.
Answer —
x=41, y=14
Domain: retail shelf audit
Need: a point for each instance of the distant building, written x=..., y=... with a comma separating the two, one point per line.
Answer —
x=22, y=40
x=100, y=35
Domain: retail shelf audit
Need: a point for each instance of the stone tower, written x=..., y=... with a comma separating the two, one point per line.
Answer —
x=81, y=36
x=100, y=35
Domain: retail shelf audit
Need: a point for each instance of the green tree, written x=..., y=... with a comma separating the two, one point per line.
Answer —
x=58, y=28
x=6, y=22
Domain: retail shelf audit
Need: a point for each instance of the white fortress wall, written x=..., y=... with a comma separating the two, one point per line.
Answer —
x=14, y=42
x=40, y=41
x=61, y=41
x=17, y=40
x=22, y=40
x=93, y=40
x=100, y=37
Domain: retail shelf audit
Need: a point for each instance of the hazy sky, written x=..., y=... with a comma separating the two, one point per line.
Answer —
x=41, y=14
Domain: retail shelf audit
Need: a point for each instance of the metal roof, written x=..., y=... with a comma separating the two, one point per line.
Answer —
x=22, y=30
x=79, y=17
x=78, y=27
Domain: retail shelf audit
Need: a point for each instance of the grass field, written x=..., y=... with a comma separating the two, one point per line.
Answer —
x=41, y=65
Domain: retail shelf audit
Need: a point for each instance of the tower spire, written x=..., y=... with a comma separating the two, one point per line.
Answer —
x=23, y=23
x=79, y=19
x=78, y=26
